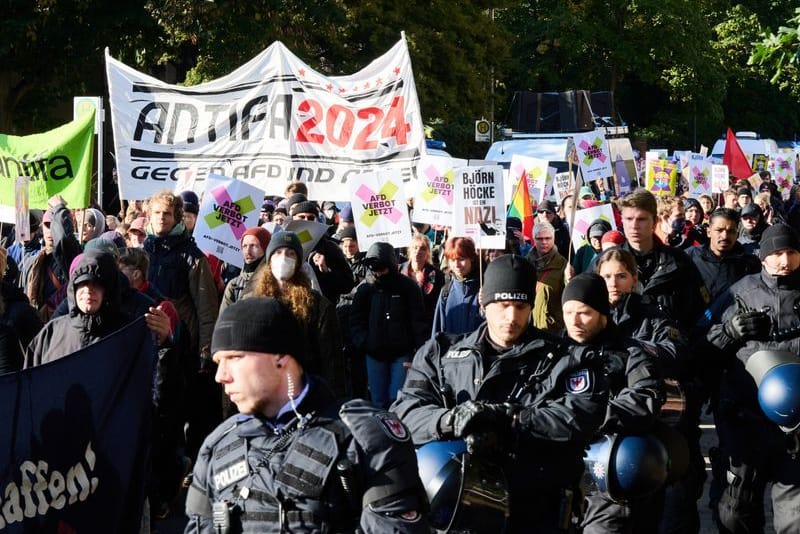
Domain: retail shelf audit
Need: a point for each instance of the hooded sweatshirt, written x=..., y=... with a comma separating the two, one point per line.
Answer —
x=69, y=333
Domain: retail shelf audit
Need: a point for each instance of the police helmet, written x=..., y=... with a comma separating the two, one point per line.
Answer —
x=463, y=492
x=777, y=375
x=626, y=467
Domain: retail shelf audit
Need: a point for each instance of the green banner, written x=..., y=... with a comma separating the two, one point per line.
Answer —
x=58, y=162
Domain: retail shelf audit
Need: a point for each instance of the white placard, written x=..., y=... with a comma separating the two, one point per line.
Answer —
x=479, y=210
x=379, y=209
x=229, y=207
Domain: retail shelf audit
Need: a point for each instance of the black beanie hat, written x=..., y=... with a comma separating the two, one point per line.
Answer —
x=778, y=237
x=509, y=277
x=589, y=288
x=285, y=239
x=258, y=324
x=307, y=206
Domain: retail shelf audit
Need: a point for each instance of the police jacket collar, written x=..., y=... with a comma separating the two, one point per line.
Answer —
x=313, y=398
x=790, y=281
x=532, y=338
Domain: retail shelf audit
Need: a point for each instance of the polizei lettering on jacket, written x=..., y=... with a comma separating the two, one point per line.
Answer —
x=37, y=166
x=230, y=212
x=378, y=205
x=232, y=474
x=40, y=489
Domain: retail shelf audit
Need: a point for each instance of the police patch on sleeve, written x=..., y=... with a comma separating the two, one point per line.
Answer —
x=579, y=382
x=392, y=426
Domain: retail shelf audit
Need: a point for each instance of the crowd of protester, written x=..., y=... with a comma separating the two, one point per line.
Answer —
x=666, y=278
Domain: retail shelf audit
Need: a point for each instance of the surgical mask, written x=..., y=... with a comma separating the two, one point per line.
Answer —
x=282, y=267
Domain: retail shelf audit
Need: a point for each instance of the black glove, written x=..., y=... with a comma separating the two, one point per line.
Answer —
x=748, y=325
x=476, y=416
x=483, y=444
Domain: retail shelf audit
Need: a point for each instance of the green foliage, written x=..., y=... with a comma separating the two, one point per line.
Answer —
x=780, y=53
x=681, y=70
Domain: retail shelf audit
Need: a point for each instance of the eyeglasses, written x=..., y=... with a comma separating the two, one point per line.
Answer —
x=305, y=216
x=545, y=211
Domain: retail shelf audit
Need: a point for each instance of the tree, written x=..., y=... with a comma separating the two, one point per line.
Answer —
x=53, y=50
x=779, y=52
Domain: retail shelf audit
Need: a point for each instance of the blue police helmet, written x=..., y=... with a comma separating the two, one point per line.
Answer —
x=441, y=468
x=626, y=467
x=777, y=375
x=466, y=493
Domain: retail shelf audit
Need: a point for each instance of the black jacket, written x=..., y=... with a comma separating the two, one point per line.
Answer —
x=652, y=328
x=561, y=390
x=674, y=286
x=719, y=274
x=339, y=278
x=388, y=317
x=281, y=475
x=636, y=390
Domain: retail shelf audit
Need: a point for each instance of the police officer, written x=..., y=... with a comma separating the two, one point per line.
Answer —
x=293, y=460
x=636, y=395
x=760, y=311
x=515, y=394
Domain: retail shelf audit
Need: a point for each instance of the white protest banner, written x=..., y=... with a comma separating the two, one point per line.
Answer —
x=479, y=208
x=719, y=178
x=228, y=208
x=272, y=120
x=699, y=177
x=782, y=166
x=593, y=155
x=563, y=182
x=308, y=232
x=585, y=217
x=535, y=168
x=22, y=209
x=379, y=209
x=433, y=198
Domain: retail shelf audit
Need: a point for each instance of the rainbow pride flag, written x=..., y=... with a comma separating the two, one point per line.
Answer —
x=520, y=207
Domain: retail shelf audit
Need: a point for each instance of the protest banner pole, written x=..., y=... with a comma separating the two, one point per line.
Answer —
x=100, y=127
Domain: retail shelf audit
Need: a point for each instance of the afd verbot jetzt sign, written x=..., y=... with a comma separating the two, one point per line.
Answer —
x=380, y=211
x=272, y=120
x=229, y=208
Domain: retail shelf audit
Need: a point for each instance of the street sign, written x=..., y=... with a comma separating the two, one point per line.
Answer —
x=482, y=131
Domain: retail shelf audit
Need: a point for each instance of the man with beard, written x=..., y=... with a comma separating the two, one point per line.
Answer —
x=723, y=260
x=254, y=248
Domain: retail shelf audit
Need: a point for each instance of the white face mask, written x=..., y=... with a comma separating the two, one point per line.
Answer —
x=282, y=267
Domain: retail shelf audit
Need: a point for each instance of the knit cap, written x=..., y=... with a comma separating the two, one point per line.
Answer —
x=590, y=289
x=258, y=324
x=509, y=277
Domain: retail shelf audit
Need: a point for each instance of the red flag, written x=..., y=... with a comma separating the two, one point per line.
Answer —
x=734, y=158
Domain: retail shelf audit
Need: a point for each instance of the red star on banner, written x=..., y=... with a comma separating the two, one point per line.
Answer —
x=366, y=85
x=342, y=89
x=329, y=87
x=397, y=71
x=379, y=81
x=301, y=72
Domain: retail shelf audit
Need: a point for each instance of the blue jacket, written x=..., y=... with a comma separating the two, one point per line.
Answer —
x=458, y=310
